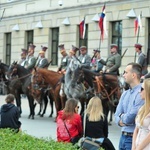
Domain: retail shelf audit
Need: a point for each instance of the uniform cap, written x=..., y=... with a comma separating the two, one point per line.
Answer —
x=44, y=48
x=24, y=51
x=96, y=50
x=32, y=46
x=137, y=45
x=114, y=46
x=61, y=48
x=83, y=47
x=74, y=49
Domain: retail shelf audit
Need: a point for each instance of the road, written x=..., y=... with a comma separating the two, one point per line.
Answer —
x=45, y=127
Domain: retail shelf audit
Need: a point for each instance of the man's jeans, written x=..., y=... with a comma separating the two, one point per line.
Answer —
x=125, y=142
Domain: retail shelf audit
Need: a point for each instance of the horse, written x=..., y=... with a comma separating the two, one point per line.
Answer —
x=12, y=86
x=105, y=86
x=51, y=81
x=41, y=94
x=24, y=76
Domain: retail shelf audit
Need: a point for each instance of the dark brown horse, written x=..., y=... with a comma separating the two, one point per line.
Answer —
x=13, y=86
x=51, y=81
x=106, y=86
x=24, y=76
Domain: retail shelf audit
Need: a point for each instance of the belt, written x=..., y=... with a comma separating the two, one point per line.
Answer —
x=127, y=133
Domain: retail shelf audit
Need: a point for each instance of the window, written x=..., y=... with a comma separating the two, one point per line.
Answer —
x=8, y=48
x=84, y=42
x=148, y=51
x=54, y=48
x=117, y=35
x=29, y=35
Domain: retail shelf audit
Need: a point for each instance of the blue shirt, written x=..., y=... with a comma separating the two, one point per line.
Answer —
x=128, y=106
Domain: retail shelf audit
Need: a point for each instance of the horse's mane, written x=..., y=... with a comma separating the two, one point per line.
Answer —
x=90, y=72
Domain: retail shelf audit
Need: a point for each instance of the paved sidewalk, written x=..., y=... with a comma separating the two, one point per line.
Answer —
x=45, y=127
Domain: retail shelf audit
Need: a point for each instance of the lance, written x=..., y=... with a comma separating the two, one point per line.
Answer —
x=124, y=53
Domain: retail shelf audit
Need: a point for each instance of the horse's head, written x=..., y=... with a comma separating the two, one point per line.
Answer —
x=78, y=75
x=37, y=85
x=12, y=71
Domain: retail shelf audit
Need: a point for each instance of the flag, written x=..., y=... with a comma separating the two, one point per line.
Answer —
x=82, y=28
x=102, y=22
x=137, y=24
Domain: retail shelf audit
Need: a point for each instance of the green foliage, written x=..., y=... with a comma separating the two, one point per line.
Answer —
x=21, y=141
x=10, y=140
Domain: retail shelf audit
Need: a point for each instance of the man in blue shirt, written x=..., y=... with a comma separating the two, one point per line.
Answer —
x=129, y=104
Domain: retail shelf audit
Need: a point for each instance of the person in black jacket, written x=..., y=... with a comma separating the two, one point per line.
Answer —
x=96, y=123
x=10, y=114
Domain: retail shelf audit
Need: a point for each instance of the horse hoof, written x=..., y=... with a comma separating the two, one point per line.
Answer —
x=109, y=124
x=41, y=115
x=50, y=116
x=32, y=117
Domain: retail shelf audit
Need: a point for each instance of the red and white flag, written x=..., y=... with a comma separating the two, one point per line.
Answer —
x=137, y=24
x=102, y=22
x=82, y=28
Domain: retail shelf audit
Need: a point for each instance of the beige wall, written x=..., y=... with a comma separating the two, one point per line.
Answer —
x=29, y=12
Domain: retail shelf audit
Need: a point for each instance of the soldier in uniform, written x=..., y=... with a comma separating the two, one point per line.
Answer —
x=95, y=64
x=84, y=58
x=42, y=62
x=72, y=64
x=64, y=60
x=24, y=53
x=113, y=62
x=30, y=60
x=142, y=59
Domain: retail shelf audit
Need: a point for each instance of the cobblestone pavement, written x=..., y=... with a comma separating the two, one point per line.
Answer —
x=46, y=127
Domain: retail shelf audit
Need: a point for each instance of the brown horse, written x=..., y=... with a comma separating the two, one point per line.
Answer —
x=52, y=81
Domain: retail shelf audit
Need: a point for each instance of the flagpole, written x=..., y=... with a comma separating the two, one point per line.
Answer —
x=100, y=41
x=137, y=40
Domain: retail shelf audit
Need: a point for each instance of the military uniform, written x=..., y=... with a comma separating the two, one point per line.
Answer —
x=85, y=59
x=42, y=63
x=22, y=61
x=30, y=60
x=64, y=63
x=112, y=63
x=142, y=60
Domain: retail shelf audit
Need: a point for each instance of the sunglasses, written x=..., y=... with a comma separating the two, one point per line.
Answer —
x=142, y=89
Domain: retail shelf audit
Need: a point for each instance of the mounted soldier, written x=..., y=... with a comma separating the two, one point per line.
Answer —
x=42, y=62
x=95, y=64
x=31, y=59
x=24, y=53
x=84, y=58
x=64, y=60
x=113, y=62
x=142, y=59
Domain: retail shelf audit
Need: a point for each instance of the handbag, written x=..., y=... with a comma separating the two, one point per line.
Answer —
x=73, y=140
x=90, y=144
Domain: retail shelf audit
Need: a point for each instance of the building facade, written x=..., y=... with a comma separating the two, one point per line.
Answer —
x=54, y=22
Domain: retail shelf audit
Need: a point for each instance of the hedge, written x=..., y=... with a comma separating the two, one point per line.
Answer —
x=9, y=140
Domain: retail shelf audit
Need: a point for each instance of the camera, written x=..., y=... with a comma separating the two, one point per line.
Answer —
x=60, y=3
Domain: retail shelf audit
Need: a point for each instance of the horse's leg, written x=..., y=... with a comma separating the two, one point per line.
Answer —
x=45, y=100
x=41, y=106
x=18, y=102
x=51, y=98
x=31, y=106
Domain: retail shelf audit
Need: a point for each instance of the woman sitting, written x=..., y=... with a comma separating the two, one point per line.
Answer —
x=96, y=123
x=69, y=124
